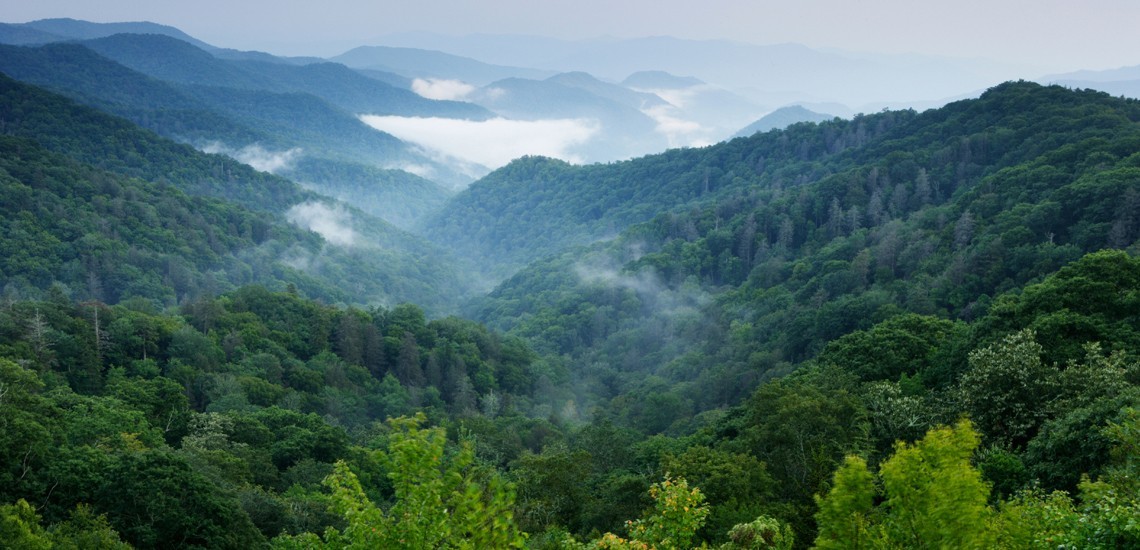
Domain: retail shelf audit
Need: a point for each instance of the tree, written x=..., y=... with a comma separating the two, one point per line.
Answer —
x=408, y=369
x=85, y=530
x=802, y=426
x=1006, y=387
x=440, y=501
x=964, y=230
x=20, y=527
x=736, y=485
x=933, y=498
x=760, y=534
x=844, y=516
x=678, y=511
x=27, y=426
x=154, y=498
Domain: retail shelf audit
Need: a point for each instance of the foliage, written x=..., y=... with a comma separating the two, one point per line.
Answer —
x=114, y=211
x=933, y=498
x=761, y=533
x=677, y=513
x=1004, y=385
x=844, y=516
x=440, y=501
x=769, y=306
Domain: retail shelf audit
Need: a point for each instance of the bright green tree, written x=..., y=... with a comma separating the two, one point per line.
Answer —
x=20, y=527
x=440, y=501
x=934, y=498
x=678, y=511
x=844, y=516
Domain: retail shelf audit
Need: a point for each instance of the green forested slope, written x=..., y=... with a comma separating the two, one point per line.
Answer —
x=954, y=311
x=117, y=145
x=712, y=300
x=537, y=207
x=247, y=240
x=273, y=119
x=213, y=427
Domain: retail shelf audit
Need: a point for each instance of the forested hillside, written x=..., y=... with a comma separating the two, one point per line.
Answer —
x=697, y=306
x=536, y=207
x=902, y=330
x=249, y=111
x=114, y=211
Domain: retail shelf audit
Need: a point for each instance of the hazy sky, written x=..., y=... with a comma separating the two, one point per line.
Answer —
x=1055, y=35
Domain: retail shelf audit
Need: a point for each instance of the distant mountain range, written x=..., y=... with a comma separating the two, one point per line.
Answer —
x=782, y=118
x=420, y=63
x=301, y=117
x=861, y=81
x=280, y=111
x=1124, y=81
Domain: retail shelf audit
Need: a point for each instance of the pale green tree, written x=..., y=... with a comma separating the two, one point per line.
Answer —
x=844, y=516
x=678, y=511
x=933, y=498
x=441, y=501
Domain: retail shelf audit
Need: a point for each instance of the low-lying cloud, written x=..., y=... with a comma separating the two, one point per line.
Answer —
x=433, y=88
x=258, y=157
x=678, y=131
x=331, y=223
x=491, y=143
x=657, y=296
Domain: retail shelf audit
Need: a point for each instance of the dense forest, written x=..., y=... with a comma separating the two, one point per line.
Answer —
x=903, y=330
x=82, y=181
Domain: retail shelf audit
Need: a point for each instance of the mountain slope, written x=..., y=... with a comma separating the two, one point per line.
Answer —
x=249, y=124
x=860, y=220
x=605, y=90
x=80, y=73
x=782, y=118
x=75, y=29
x=511, y=214
x=181, y=62
x=360, y=259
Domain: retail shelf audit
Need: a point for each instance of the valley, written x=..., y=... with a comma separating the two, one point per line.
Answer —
x=445, y=293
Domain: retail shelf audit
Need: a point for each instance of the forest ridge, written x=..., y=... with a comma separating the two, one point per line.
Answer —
x=902, y=329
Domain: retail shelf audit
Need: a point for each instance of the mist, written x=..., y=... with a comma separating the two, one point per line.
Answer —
x=656, y=295
x=331, y=223
x=442, y=89
x=491, y=143
x=678, y=131
x=258, y=157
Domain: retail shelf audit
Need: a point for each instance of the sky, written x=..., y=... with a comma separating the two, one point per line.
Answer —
x=1055, y=35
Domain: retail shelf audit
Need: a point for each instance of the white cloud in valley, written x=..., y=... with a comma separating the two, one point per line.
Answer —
x=656, y=295
x=491, y=143
x=442, y=89
x=258, y=157
x=678, y=131
x=331, y=223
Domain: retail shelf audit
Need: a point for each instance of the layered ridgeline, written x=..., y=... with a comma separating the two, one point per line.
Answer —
x=943, y=274
x=536, y=207
x=791, y=239
x=113, y=211
x=294, y=120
